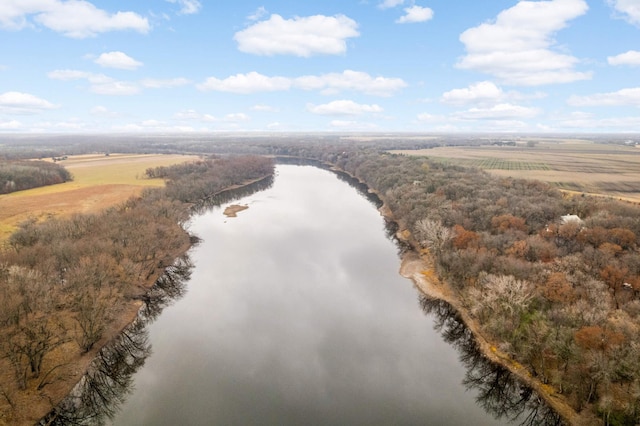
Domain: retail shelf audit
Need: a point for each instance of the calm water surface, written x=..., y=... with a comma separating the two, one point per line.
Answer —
x=295, y=314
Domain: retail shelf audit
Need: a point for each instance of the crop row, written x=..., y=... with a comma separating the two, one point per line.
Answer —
x=495, y=164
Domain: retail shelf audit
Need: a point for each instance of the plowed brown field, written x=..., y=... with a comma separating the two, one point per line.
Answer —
x=99, y=182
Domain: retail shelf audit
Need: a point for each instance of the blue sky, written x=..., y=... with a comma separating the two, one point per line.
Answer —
x=83, y=66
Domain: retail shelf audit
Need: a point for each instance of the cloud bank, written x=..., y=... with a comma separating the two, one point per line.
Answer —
x=300, y=36
x=517, y=47
x=72, y=18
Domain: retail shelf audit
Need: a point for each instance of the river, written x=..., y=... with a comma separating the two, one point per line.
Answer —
x=295, y=314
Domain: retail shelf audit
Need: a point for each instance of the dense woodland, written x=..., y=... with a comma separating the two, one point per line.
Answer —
x=65, y=280
x=21, y=175
x=554, y=280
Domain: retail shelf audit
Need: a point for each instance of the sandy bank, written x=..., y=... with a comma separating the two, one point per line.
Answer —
x=414, y=266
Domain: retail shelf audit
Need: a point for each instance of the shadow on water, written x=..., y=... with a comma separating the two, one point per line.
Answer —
x=99, y=394
x=499, y=391
x=103, y=389
x=391, y=227
x=232, y=194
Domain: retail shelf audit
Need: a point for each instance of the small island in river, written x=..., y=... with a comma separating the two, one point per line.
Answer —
x=233, y=210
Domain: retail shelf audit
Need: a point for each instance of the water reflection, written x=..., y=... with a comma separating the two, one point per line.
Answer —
x=498, y=391
x=100, y=393
x=168, y=288
x=295, y=315
x=233, y=194
x=391, y=227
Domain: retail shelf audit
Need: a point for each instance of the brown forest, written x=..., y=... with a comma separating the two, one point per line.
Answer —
x=554, y=280
x=20, y=175
x=66, y=283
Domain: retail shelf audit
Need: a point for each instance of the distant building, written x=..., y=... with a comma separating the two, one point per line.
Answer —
x=569, y=218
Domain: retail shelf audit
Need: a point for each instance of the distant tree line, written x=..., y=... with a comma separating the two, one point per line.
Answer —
x=192, y=182
x=65, y=280
x=21, y=175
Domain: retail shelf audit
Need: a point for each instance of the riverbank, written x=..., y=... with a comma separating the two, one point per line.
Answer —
x=417, y=266
x=29, y=406
x=36, y=406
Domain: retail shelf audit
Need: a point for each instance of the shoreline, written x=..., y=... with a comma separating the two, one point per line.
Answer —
x=123, y=319
x=414, y=263
x=412, y=267
x=127, y=315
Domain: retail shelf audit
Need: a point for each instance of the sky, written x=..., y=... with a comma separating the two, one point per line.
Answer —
x=163, y=66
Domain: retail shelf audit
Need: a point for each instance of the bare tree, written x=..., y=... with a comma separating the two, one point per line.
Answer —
x=433, y=235
x=28, y=345
x=91, y=318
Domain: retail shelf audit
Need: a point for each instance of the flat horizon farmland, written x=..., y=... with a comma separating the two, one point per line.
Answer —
x=99, y=182
x=573, y=166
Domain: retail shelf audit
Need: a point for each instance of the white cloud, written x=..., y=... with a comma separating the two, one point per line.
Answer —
x=415, y=14
x=105, y=85
x=587, y=121
x=23, y=103
x=117, y=60
x=187, y=7
x=10, y=125
x=99, y=83
x=629, y=97
x=67, y=75
x=71, y=124
x=236, y=117
x=430, y=118
x=343, y=107
x=484, y=91
x=630, y=9
x=632, y=57
x=352, y=125
x=350, y=80
x=388, y=4
x=258, y=14
x=504, y=111
x=328, y=84
x=264, y=108
x=516, y=48
x=73, y=18
x=152, y=126
x=300, y=36
x=115, y=88
x=102, y=111
x=193, y=115
x=152, y=123
x=152, y=83
x=246, y=83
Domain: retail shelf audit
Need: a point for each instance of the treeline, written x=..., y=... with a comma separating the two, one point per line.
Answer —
x=554, y=280
x=64, y=283
x=192, y=182
x=21, y=175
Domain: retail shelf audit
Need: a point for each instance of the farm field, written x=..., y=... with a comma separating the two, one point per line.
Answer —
x=574, y=166
x=99, y=182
